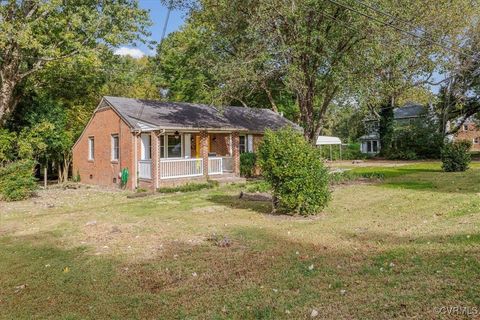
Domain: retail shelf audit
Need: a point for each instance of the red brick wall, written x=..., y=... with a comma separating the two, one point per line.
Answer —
x=470, y=134
x=219, y=143
x=102, y=170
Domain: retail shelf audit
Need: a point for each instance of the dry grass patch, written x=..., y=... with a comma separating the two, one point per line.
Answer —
x=394, y=249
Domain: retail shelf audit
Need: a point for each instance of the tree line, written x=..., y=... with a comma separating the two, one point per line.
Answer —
x=323, y=64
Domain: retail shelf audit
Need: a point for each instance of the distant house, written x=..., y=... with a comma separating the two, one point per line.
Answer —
x=370, y=142
x=469, y=131
x=166, y=143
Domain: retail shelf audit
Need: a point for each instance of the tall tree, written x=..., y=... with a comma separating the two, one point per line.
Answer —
x=35, y=33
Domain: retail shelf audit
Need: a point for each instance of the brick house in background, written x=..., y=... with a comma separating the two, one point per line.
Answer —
x=471, y=132
x=166, y=143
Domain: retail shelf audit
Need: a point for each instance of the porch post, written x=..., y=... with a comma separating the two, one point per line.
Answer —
x=155, y=159
x=204, y=151
x=236, y=153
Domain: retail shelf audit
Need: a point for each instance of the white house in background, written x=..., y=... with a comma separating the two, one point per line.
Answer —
x=370, y=142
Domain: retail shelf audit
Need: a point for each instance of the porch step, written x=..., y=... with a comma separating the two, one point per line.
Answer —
x=228, y=179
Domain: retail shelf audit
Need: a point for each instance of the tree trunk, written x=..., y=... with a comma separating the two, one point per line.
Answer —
x=7, y=99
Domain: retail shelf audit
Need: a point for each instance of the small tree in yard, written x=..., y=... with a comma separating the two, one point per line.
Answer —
x=456, y=156
x=295, y=171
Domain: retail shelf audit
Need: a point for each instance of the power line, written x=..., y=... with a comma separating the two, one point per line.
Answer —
x=396, y=28
x=391, y=16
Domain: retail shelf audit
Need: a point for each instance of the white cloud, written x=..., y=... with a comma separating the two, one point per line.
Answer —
x=132, y=52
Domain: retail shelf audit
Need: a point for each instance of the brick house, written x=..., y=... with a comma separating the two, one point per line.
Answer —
x=471, y=132
x=166, y=143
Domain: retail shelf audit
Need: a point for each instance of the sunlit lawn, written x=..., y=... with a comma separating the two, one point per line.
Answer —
x=396, y=248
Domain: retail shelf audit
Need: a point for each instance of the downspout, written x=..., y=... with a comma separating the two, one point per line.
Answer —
x=135, y=157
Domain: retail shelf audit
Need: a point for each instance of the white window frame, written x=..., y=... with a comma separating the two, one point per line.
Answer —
x=91, y=148
x=166, y=146
x=115, y=156
x=143, y=146
x=246, y=143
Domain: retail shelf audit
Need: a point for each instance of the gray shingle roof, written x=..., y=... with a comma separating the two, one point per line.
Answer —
x=141, y=113
x=409, y=111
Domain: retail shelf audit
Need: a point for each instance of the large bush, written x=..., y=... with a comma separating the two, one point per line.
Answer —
x=17, y=181
x=417, y=139
x=456, y=156
x=295, y=171
x=248, y=162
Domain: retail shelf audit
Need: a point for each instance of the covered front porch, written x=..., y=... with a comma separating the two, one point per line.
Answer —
x=166, y=156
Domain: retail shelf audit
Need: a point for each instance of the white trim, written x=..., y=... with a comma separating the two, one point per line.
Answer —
x=91, y=148
x=187, y=145
x=250, y=143
x=199, y=162
x=112, y=149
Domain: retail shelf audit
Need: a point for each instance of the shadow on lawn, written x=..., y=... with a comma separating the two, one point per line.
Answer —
x=233, y=201
x=438, y=181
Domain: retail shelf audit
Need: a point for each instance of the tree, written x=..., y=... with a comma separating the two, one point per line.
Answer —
x=459, y=96
x=35, y=33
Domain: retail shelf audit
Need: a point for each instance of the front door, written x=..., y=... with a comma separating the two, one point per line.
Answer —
x=197, y=146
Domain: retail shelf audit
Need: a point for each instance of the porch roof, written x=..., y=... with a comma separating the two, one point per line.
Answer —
x=153, y=114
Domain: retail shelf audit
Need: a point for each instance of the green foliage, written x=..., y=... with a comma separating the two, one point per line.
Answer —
x=456, y=156
x=295, y=171
x=34, y=34
x=17, y=181
x=248, y=162
x=7, y=146
x=189, y=187
x=413, y=140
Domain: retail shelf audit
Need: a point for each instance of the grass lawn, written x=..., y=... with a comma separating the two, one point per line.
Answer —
x=399, y=248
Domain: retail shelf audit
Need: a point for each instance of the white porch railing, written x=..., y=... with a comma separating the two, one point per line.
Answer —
x=227, y=164
x=180, y=168
x=145, y=169
x=215, y=165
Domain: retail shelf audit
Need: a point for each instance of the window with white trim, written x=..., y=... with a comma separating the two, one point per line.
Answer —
x=91, y=148
x=242, y=144
x=174, y=146
x=115, y=147
x=146, y=147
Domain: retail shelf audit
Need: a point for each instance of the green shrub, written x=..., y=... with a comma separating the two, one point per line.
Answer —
x=456, y=156
x=248, y=162
x=295, y=171
x=17, y=181
x=417, y=139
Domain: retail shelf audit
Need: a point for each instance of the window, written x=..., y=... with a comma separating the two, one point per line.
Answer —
x=242, y=144
x=162, y=147
x=465, y=127
x=369, y=146
x=91, y=148
x=476, y=140
x=375, y=146
x=115, y=147
x=174, y=146
x=146, y=147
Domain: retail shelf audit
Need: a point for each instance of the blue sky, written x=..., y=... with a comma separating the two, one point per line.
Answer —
x=158, y=14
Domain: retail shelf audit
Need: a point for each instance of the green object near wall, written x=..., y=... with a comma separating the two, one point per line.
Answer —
x=124, y=177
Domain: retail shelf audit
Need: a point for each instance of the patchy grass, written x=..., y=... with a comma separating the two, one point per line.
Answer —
x=396, y=248
x=189, y=187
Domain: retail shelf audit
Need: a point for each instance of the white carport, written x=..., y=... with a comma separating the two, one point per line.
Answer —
x=330, y=141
